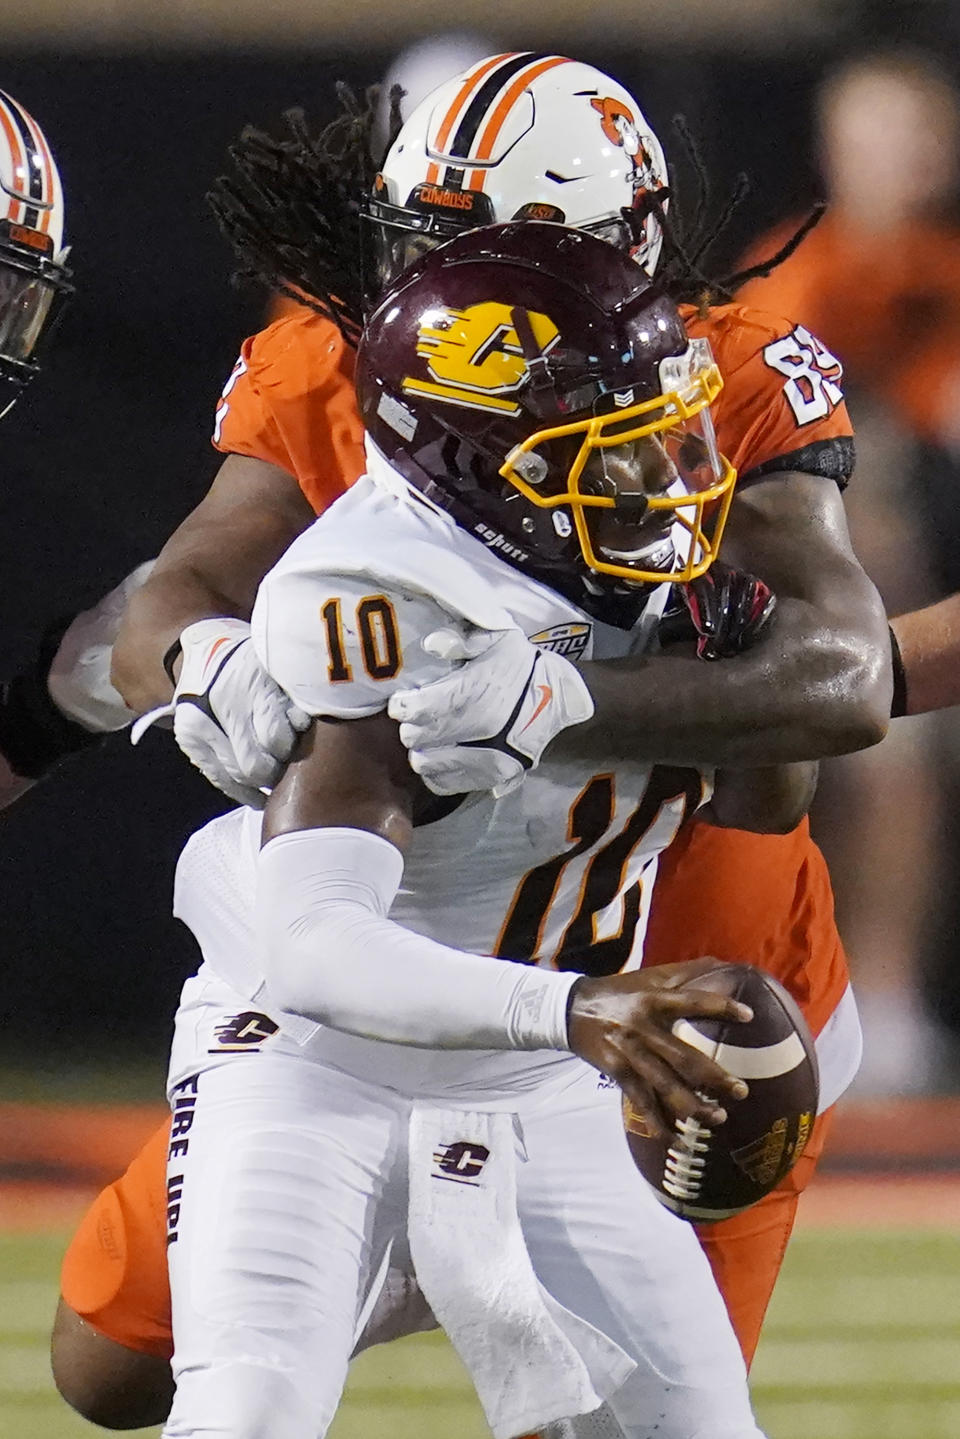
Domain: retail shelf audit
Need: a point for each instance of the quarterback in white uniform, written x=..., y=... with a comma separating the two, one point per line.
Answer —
x=424, y=982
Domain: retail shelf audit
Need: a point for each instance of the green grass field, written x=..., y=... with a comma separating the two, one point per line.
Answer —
x=863, y=1342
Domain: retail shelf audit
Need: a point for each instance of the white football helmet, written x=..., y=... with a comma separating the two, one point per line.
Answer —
x=521, y=136
x=33, y=274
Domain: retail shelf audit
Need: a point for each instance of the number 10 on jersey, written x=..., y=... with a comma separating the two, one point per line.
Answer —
x=374, y=629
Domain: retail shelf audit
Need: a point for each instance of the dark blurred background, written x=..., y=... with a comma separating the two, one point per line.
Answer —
x=110, y=448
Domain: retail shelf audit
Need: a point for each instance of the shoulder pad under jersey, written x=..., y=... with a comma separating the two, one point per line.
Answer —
x=289, y=400
x=782, y=391
x=340, y=620
x=341, y=644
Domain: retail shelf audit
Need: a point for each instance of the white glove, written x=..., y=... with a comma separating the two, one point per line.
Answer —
x=483, y=726
x=79, y=677
x=229, y=717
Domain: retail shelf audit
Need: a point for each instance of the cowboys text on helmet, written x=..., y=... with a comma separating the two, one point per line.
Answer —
x=522, y=136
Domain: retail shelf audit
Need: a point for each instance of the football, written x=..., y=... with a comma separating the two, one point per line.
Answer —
x=710, y=1174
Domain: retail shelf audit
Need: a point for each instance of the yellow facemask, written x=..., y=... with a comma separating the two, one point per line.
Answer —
x=679, y=419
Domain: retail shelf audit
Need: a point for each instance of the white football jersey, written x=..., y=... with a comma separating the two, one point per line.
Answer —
x=557, y=873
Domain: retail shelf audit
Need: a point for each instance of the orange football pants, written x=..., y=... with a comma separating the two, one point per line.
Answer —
x=766, y=899
x=746, y=1252
x=114, y=1274
x=115, y=1271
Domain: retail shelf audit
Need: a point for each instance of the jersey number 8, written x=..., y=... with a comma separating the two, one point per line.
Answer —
x=813, y=375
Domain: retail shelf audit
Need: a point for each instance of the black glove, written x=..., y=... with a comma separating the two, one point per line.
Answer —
x=725, y=611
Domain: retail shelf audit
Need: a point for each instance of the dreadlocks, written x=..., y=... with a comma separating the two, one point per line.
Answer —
x=680, y=271
x=292, y=210
x=293, y=214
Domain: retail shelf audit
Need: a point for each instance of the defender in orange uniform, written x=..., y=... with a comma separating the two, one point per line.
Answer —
x=288, y=424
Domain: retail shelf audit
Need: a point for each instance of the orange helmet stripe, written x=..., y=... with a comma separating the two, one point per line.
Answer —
x=49, y=186
x=459, y=102
x=16, y=150
x=506, y=104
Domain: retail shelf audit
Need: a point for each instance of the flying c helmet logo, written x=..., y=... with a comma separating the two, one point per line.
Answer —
x=475, y=356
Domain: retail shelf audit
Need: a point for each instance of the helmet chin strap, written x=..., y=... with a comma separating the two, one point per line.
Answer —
x=541, y=376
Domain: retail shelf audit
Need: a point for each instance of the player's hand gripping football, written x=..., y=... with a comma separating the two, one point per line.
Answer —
x=229, y=717
x=489, y=721
x=725, y=611
x=623, y=1026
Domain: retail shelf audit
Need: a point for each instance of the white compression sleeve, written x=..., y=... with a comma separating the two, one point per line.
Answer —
x=331, y=953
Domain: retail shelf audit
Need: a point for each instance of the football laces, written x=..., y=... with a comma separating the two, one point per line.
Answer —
x=686, y=1159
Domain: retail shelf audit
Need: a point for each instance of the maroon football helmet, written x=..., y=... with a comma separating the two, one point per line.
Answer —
x=530, y=380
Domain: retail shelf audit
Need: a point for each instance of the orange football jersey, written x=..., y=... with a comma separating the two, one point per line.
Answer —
x=763, y=899
x=781, y=398
x=290, y=401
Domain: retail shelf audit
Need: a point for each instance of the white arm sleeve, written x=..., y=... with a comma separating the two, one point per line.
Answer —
x=330, y=953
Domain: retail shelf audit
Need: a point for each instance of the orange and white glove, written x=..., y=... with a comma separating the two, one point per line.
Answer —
x=230, y=718
x=486, y=724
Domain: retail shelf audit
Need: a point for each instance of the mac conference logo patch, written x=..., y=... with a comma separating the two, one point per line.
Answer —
x=568, y=640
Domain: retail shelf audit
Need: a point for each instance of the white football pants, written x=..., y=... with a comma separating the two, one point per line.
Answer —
x=287, y=1186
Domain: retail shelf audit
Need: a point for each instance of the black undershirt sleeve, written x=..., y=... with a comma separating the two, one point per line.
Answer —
x=833, y=459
